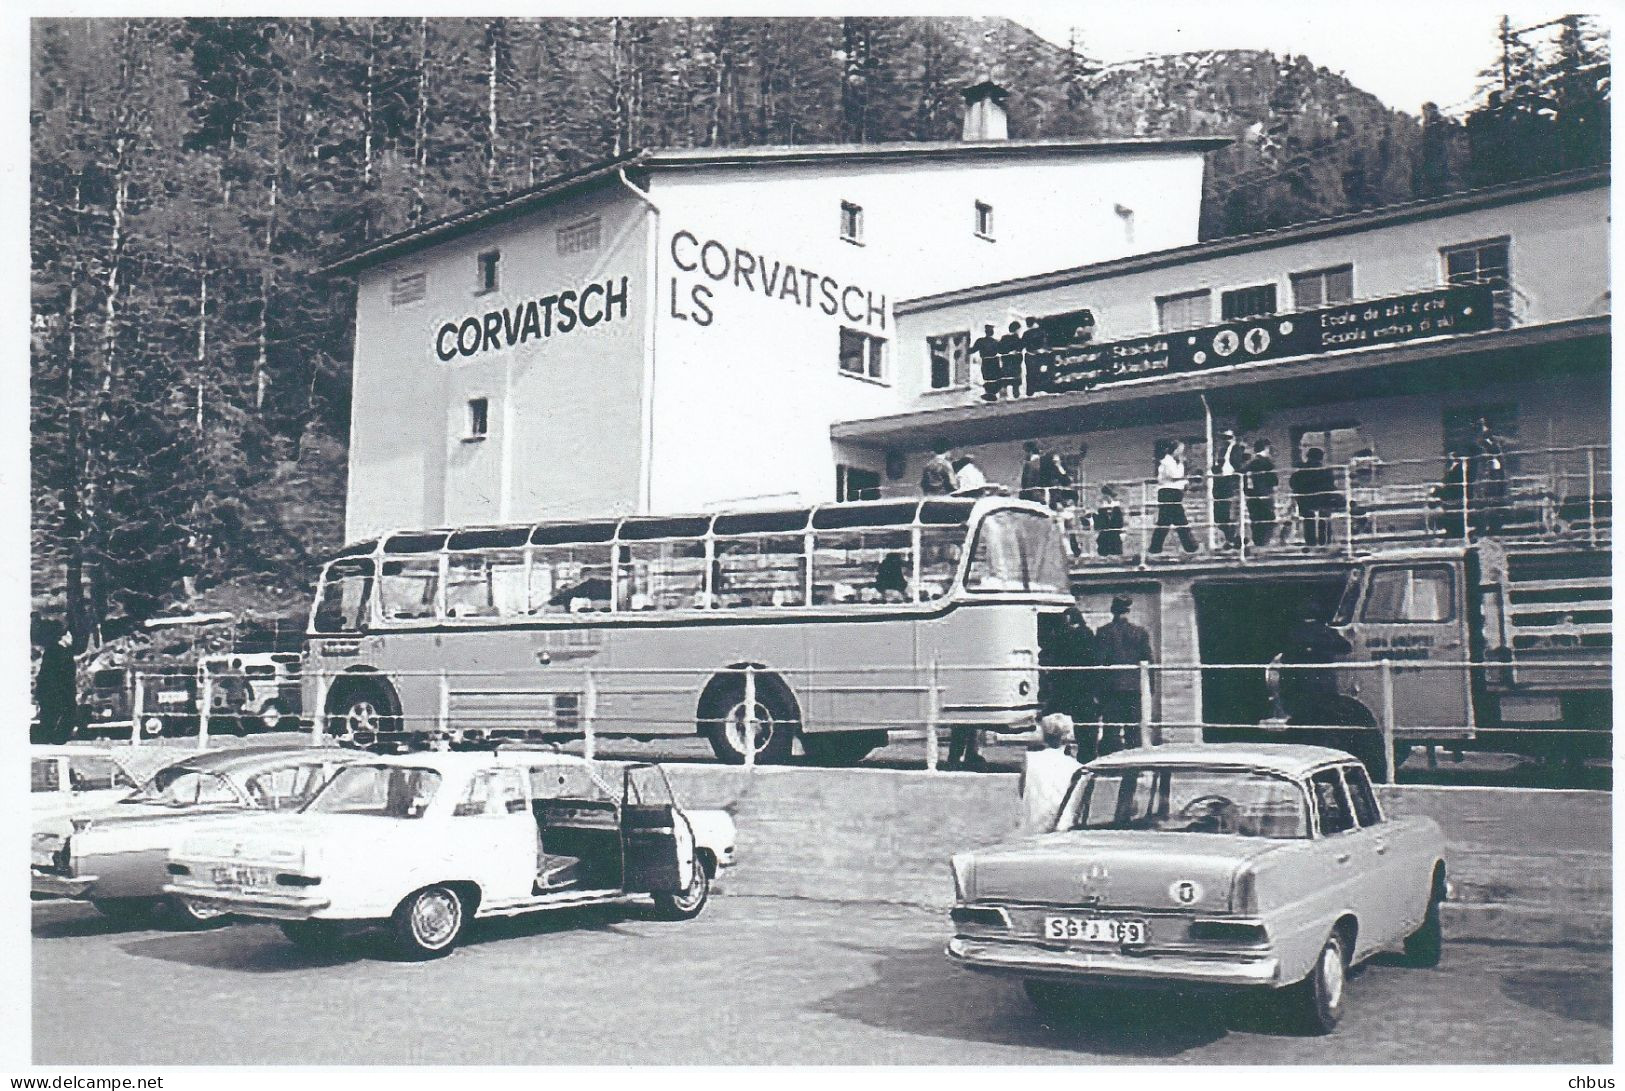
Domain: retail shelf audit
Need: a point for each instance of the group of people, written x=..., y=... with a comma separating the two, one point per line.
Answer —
x=1021, y=362
x=1474, y=492
x=1243, y=474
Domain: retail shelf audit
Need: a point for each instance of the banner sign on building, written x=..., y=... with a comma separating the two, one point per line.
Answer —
x=1366, y=324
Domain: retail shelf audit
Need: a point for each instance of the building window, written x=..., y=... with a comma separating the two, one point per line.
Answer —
x=1252, y=302
x=1338, y=442
x=408, y=288
x=984, y=220
x=1487, y=262
x=851, y=222
x=479, y=418
x=1186, y=311
x=856, y=483
x=1322, y=287
x=950, y=360
x=578, y=238
x=489, y=262
x=863, y=354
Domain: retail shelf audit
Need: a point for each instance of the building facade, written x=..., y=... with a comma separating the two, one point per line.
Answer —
x=679, y=330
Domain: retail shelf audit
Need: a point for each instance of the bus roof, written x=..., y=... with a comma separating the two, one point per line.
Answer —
x=854, y=514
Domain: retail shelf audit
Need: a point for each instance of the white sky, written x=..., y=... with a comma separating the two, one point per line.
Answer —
x=1405, y=53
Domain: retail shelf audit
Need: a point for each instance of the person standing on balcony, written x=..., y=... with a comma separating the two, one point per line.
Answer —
x=938, y=477
x=1123, y=644
x=1036, y=355
x=1261, y=484
x=1487, y=480
x=1171, y=480
x=986, y=349
x=1010, y=362
x=1109, y=523
x=969, y=476
x=1314, y=488
x=1032, y=473
x=1227, y=467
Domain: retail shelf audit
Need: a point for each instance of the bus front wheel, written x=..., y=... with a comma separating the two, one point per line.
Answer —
x=722, y=719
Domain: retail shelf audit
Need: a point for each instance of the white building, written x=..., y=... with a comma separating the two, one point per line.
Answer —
x=680, y=330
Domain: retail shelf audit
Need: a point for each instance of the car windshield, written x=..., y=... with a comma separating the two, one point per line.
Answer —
x=1187, y=799
x=180, y=786
x=383, y=791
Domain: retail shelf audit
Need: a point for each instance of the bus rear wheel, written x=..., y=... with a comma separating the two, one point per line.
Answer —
x=722, y=719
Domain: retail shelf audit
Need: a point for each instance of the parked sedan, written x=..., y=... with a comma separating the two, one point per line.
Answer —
x=1268, y=866
x=114, y=857
x=422, y=843
x=63, y=780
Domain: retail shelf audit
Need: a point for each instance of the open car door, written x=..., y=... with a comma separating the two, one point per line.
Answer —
x=659, y=845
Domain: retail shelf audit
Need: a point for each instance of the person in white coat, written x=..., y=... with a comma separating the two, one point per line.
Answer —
x=1047, y=775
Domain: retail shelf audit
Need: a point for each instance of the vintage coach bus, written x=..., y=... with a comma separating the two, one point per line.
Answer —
x=848, y=612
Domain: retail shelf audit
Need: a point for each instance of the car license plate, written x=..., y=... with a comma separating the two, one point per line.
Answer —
x=1094, y=930
x=240, y=877
x=172, y=697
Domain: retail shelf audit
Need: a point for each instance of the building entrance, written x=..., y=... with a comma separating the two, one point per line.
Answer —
x=1247, y=622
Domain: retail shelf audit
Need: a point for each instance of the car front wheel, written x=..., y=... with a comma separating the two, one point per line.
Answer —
x=686, y=904
x=428, y=922
x=1317, y=1000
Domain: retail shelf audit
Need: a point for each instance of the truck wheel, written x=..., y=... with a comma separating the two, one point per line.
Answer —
x=1425, y=946
x=722, y=719
x=842, y=747
x=1316, y=1002
x=686, y=904
x=427, y=922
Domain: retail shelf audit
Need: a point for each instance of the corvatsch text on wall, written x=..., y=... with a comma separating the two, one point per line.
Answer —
x=533, y=319
x=708, y=264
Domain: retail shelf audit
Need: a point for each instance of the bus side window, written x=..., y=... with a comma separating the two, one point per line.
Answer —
x=485, y=584
x=940, y=550
x=409, y=588
x=342, y=606
x=569, y=579
x=760, y=570
x=663, y=575
x=872, y=565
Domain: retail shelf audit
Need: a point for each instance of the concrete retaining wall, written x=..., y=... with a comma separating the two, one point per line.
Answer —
x=1526, y=865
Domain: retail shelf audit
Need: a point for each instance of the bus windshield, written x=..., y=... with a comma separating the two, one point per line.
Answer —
x=1018, y=551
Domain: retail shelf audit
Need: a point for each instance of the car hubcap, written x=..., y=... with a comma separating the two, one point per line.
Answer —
x=735, y=726
x=434, y=918
x=689, y=898
x=1331, y=976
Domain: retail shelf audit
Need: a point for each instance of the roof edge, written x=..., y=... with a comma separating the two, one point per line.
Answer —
x=1461, y=201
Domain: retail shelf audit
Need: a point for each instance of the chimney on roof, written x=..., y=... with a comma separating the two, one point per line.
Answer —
x=985, y=118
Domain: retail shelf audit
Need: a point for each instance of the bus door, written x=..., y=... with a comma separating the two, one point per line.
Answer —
x=1411, y=614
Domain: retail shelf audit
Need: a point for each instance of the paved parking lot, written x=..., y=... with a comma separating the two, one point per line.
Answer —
x=753, y=980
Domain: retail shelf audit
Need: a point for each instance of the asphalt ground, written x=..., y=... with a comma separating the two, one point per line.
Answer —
x=751, y=981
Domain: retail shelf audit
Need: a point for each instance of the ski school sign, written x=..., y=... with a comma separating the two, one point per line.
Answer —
x=1436, y=313
x=532, y=319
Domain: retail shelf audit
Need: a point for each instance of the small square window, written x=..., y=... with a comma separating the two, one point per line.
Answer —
x=489, y=263
x=950, y=360
x=1488, y=262
x=1247, y=302
x=479, y=417
x=984, y=219
x=1185, y=311
x=851, y=222
x=1322, y=287
x=862, y=354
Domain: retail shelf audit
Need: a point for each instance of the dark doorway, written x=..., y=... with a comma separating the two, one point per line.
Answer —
x=1247, y=623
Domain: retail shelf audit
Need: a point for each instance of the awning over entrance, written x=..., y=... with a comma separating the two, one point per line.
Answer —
x=1522, y=354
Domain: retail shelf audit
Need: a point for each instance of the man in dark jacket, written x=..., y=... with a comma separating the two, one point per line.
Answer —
x=1315, y=489
x=1121, y=643
x=1262, y=482
x=56, y=688
x=1227, y=468
x=1065, y=641
x=1035, y=349
x=986, y=349
x=1307, y=694
x=1010, y=362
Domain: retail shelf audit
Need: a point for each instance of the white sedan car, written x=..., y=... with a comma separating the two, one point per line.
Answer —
x=67, y=780
x=422, y=843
